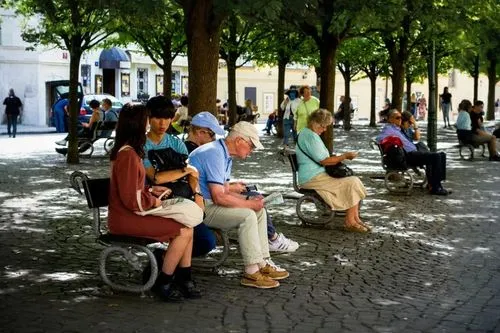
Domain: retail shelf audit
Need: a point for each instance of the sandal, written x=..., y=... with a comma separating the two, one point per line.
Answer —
x=355, y=228
x=366, y=226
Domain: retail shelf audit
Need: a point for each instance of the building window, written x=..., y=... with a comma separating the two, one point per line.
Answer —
x=125, y=84
x=142, y=81
x=85, y=74
x=159, y=84
x=98, y=84
x=174, y=83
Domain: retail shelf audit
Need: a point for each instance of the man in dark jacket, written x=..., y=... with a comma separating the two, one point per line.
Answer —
x=13, y=107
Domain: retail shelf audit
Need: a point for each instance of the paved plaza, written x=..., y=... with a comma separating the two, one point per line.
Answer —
x=431, y=264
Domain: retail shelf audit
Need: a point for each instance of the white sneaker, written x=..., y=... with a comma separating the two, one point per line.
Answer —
x=283, y=244
x=273, y=265
x=61, y=142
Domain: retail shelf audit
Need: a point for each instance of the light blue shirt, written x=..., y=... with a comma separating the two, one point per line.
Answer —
x=463, y=121
x=213, y=162
x=111, y=116
x=311, y=143
x=393, y=130
x=168, y=141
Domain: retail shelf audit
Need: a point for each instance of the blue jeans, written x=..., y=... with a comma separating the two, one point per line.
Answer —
x=287, y=128
x=203, y=240
x=269, y=125
x=446, y=112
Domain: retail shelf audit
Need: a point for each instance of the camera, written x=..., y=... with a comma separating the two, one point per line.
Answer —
x=251, y=188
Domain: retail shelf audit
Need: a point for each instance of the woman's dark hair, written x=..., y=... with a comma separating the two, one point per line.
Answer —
x=406, y=116
x=465, y=105
x=184, y=100
x=131, y=129
x=160, y=107
x=94, y=104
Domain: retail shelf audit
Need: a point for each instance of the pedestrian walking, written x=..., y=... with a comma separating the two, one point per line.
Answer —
x=13, y=107
x=446, y=106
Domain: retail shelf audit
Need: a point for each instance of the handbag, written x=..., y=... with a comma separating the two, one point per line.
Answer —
x=167, y=159
x=339, y=170
x=181, y=210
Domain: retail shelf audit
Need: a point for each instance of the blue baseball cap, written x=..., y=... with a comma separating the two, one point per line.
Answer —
x=207, y=120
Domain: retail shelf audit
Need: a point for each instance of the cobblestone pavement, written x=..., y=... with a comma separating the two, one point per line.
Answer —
x=431, y=264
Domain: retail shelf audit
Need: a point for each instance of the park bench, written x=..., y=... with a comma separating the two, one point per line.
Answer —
x=466, y=150
x=310, y=207
x=124, y=258
x=400, y=180
x=99, y=130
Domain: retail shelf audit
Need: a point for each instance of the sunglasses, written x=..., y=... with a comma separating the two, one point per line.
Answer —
x=396, y=117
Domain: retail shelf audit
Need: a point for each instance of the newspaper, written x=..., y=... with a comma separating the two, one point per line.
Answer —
x=273, y=199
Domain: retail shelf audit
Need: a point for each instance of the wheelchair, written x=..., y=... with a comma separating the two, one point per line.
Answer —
x=400, y=180
x=310, y=207
x=123, y=261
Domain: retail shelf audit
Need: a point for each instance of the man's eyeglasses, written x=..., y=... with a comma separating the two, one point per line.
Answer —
x=250, y=144
x=396, y=117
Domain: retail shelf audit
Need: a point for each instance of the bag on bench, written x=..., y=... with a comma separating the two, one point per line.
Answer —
x=394, y=154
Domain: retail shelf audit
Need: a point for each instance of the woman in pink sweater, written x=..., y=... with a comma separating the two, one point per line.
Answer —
x=128, y=195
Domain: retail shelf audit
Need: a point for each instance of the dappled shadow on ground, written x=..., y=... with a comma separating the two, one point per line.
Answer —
x=426, y=259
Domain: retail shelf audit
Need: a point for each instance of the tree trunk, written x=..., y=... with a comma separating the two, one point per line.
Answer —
x=492, y=81
x=281, y=93
x=397, y=78
x=328, y=51
x=74, y=106
x=347, y=100
x=203, y=39
x=476, y=78
x=408, y=94
x=373, y=89
x=431, y=109
x=231, y=87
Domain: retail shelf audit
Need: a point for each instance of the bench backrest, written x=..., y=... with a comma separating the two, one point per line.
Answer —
x=96, y=192
x=292, y=158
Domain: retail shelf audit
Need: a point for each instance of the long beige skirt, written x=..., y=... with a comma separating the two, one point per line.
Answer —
x=338, y=193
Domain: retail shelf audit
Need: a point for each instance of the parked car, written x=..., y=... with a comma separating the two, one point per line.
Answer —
x=86, y=111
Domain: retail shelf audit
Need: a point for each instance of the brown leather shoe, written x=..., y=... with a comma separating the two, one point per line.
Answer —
x=258, y=280
x=274, y=273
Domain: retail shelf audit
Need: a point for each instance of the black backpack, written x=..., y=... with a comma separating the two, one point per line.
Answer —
x=394, y=158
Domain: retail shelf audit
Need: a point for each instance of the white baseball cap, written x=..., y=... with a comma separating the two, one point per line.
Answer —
x=247, y=131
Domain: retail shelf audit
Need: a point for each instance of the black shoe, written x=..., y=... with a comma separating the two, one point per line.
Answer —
x=495, y=158
x=62, y=151
x=440, y=191
x=189, y=290
x=170, y=292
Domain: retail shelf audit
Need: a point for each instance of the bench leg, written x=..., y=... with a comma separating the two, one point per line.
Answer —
x=117, y=263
